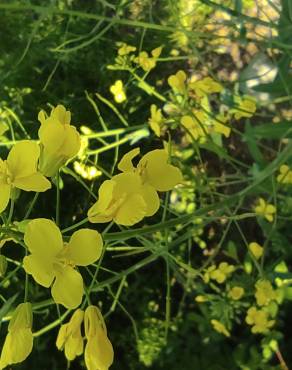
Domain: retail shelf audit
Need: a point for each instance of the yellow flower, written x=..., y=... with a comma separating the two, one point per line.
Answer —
x=132, y=195
x=20, y=171
x=87, y=172
x=19, y=340
x=256, y=250
x=99, y=352
x=259, y=320
x=222, y=272
x=205, y=86
x=285, y=175
x=156, y=120
x=245, y=107
x=177, y=82
x=147, y=62
x=220, y=126
x=236, y=293
x=69, y=336
x=59, y=140
x=117, y=89
x=264, y=292
x=265, y=210
x=125, y=49
x=220, y=328
x=52, y=261
x=194, y=124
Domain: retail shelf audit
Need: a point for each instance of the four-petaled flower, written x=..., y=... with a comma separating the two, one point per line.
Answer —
x=177, y=82
x=19, y=171
x=117, y=89
x=265, y=210
x=59, y=140
x=19, y=340
x=52, y=262
x=132, y=195
x=259, y=320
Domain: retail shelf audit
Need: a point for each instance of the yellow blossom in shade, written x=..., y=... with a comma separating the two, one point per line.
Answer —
x=245, y=107
x=205, y=86
x=264, y=292
x=125, y=49
x=256, y=250
x=156, y=120
x=132, y=195
x=201, y=299
x=285, y=175
x=222, y=272
x=221, y=127
x=52, y=262
x=99, y=352
x=265, y=210
x=19, y=340
x=193, y=124
x=70, y=338
x=259, y=320
x=220, y=328
x=236, y=293
x=177, y=82
x=19, y=171
x=117, y=89
x=59, y=140
x=147, y=62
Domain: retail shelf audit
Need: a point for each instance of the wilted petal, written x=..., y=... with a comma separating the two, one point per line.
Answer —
x=67, y=289
x=43, y=237
x=85, y=247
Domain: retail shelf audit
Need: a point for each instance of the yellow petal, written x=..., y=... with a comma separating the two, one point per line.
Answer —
x=43, y=237
x=34, y=182
x=52, y=135
x=132, y=210
x=161, y=175
x=151, y=199
x=97, y=213
x=85, y=247
x=73, y=347
x=61, y=114
x=4, y=196
x=99, y=354
x=72, y=142
x=40, y=268
x=125, y=164
x=22, y=158
x=67, y=289
x=17, y=346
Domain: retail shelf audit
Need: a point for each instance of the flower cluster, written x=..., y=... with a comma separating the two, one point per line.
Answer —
x=191, y=104
x=220, y=273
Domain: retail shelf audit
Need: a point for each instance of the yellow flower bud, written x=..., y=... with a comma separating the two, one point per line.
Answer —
x=19, y=340
x=256, y=250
